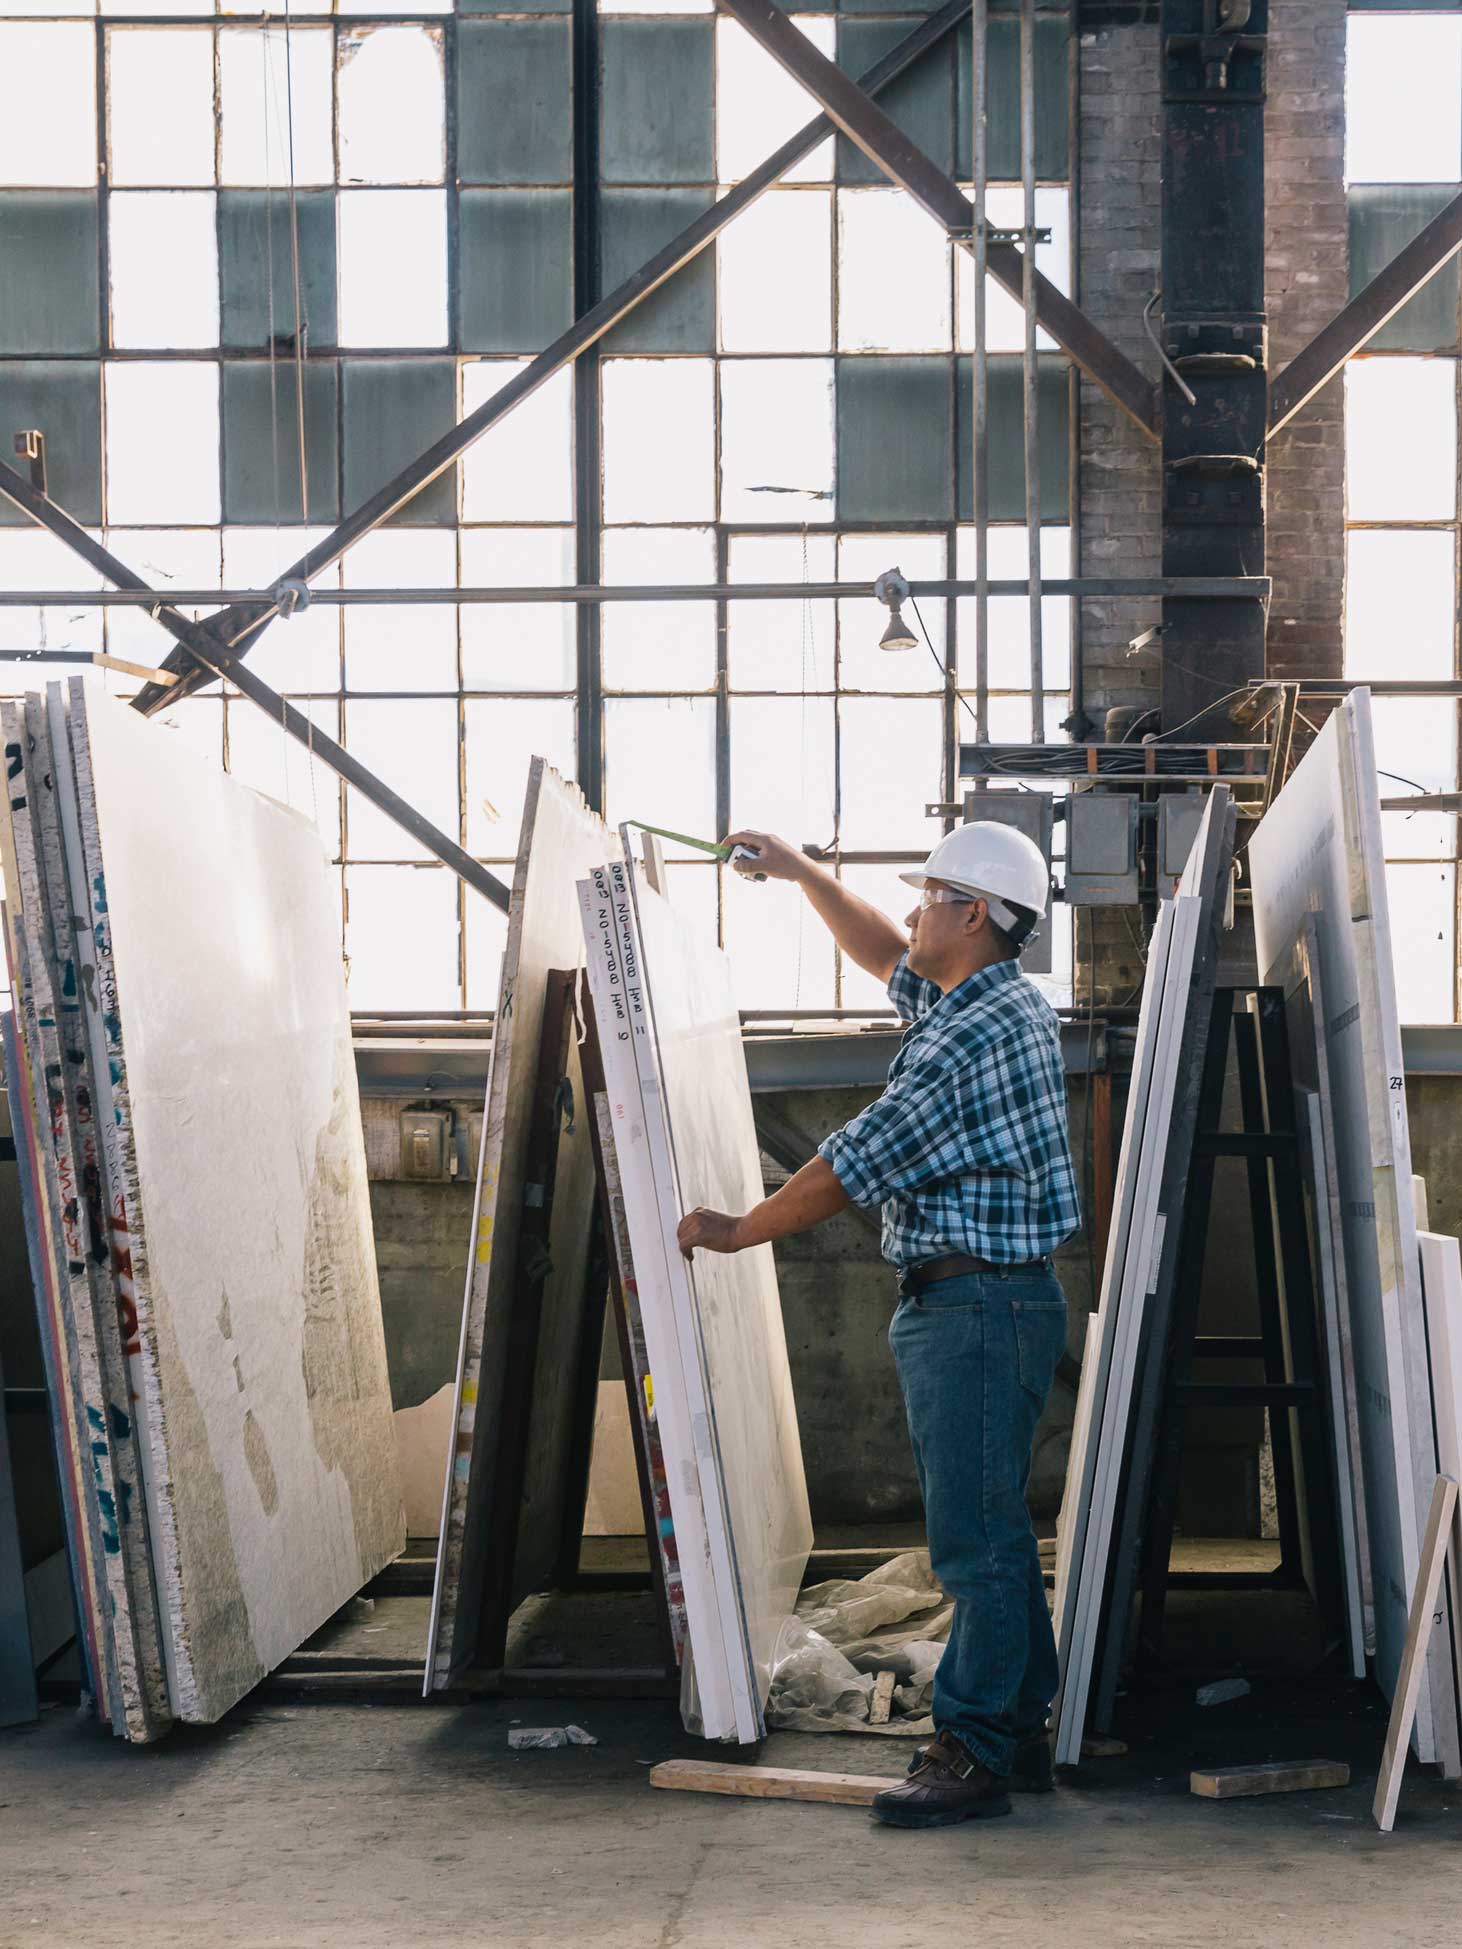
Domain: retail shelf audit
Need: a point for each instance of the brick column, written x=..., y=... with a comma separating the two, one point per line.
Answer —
x=1307, y=278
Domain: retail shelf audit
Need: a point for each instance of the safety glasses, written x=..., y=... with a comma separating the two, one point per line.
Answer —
x=933, y=896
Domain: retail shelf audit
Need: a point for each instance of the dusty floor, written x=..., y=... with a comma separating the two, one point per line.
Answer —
x=305, y=1824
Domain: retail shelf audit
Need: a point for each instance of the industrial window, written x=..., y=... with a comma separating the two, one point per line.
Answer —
x=253, y=268
x=1403, y=163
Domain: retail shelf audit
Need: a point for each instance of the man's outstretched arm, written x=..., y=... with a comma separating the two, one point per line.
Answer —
x=862, y=932
x=803, y=1201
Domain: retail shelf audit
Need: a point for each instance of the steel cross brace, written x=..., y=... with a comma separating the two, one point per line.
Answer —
x=203, y=648
x=234, y=625
x=899, y=157
x=1429, y=251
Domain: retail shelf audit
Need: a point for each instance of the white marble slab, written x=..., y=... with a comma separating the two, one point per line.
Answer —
x=694, y=1061
x=561, y=841
x=641, y=1154
x=1317, y=857
x=265, y=1394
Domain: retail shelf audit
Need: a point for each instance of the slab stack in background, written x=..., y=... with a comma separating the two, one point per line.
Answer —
x=188, y=1107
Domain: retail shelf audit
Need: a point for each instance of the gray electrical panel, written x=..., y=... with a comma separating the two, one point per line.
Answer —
x=1101, y=849
x=1179, y=815
x=1030, y=813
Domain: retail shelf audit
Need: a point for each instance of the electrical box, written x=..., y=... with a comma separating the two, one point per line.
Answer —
x=1101, y=849
x=1030, y=813
x=1179, y=815
x=426, y=1154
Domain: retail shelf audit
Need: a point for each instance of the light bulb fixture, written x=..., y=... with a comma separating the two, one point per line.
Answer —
x=892, y=588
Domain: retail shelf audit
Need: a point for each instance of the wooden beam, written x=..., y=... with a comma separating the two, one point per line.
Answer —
x=1238, y=1782
x=899, y=157
x=1352, y=329
x=1439, y=1525
x=771, y=1782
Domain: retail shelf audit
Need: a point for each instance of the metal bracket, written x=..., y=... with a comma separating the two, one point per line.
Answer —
x=31, y=446
x=965, y=234
x=1225, y=488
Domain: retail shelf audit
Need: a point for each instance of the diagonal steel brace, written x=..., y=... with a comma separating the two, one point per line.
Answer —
x=899, y=157
x=216, y=659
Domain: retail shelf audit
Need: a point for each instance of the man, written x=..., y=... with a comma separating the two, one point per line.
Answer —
x=967, y=1153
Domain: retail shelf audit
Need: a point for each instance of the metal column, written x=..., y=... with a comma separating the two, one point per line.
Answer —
x=1214, y=335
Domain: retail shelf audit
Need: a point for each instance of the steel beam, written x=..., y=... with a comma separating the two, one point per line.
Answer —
x=218, y=661
x=885, y=143
x=1254, y=588
x=1352, y=329
x=236, y=625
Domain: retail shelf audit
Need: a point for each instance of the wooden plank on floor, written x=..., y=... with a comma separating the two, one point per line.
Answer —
x=1296, y=1776
x=769, y=1782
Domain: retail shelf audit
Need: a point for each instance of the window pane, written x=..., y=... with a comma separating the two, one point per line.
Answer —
x=781, y=645
x=1400, y=597
x=164, y=268
x=882, y=888
x=517, y=646
x=777, y=439
x=659, y=645
x=1401, y=439
x=401, y=937
x=758, y=104
x=660, y=765
x=162, y=441
x=1010, y=719
x=781, y=954
x=782, y=767
x=32, y=559
x=1403, y=99
x=277, y=105
x=263, y=754
x=893, y=274
x=776, y=275
x=659, y=440
x=412, y=747
x=393, y=267
x=1009, y=616
x=48, y=130
x=1423, y=902
x=523, y=468
x=299, y=652
x=402, y=646
x=503, y=736
x=181, y=558
x=160, y=97
x=1004, y=317
x=1416, y=749
x=892, y=765
x=391, y=108
x=862, y=665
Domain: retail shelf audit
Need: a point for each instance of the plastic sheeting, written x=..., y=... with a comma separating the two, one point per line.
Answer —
x=844, y=1633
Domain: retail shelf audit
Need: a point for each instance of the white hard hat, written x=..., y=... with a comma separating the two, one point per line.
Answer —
x=994, y=861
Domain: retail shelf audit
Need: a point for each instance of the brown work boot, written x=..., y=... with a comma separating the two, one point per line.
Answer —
x=948, y=1785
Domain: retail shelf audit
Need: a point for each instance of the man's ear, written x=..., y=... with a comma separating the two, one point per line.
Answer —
x=976, y=915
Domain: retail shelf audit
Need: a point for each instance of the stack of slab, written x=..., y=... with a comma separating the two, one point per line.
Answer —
x=704, y=1346
x=1112, y=1433
x=183, y=1088
x=680, y=1110
x=1322, y=932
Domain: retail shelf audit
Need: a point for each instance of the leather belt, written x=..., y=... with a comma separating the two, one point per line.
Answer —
x=914, y=1278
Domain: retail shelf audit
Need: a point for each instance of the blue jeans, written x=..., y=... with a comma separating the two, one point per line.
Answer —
x=976, y=1357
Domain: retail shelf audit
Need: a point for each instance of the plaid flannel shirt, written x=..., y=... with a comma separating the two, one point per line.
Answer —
x=967, y=1148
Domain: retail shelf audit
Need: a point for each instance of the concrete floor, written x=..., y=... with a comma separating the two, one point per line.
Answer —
x=305, y=1824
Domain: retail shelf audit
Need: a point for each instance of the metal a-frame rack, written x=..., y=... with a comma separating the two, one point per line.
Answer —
x=1251, y=1021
